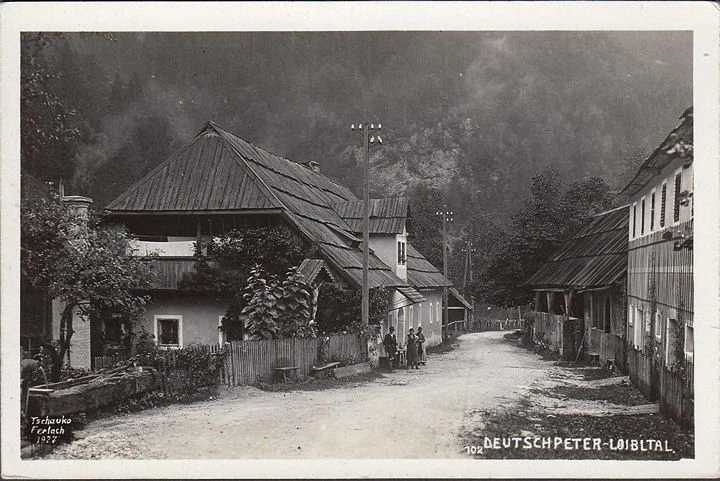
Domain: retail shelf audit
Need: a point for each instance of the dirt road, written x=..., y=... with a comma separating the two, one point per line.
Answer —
x=404, y=414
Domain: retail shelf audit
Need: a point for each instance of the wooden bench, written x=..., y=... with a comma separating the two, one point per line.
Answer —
x=594, y=358
x=286, y=371
x=324, y=369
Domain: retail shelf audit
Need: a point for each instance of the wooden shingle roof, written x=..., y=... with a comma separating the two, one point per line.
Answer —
x=663, y=154
x=594, y=256
x=421, y=273
x=457, y=295
x=387, y=215
x=218, y=171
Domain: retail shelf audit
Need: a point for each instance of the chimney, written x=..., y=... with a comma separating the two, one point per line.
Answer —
x=78, y=205
x=312, y=165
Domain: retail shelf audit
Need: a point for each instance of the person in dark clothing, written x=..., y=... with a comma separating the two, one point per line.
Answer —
x=390, y=345
x=421, y=348
x=412, y=350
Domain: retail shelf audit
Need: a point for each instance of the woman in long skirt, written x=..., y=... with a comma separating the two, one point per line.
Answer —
x=412, y=359
x=421, y=346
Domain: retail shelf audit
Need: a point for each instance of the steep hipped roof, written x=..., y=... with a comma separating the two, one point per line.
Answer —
x=387, y=216
x=421, y=273
x=595, y=256
x=217, y=171
x=663, y=154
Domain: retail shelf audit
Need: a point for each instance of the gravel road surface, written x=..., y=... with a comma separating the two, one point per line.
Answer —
x=404, y=414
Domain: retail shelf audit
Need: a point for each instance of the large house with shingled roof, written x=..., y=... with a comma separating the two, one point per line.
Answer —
x=219, y=182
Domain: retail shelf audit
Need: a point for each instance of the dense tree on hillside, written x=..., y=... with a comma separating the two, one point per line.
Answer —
x=553, y=211
x=426, y=226
x=48, y=126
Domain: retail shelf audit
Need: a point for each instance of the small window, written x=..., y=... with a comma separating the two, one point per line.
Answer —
x=607, y=315
x=663, y=200
x=401, y=253
x=652, y=211
x=689, y=342
x=431, y=313
x=637, y=337
x=168, y=331
x=634, y=221
x=676, y=200
x=642, y=217
x=658, y=326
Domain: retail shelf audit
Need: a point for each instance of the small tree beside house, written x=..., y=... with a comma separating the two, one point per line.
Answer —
x=83, y=265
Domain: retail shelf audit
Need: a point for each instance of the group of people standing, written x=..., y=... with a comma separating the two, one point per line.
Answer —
x=415, y=350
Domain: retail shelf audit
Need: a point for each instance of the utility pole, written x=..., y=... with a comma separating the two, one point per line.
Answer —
x=469, y=252
x=446, y=217
x=370, y=139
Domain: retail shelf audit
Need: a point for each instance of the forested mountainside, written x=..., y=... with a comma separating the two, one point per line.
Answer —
x=469, y=118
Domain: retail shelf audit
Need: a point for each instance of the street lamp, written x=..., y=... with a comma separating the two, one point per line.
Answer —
x=371, y=138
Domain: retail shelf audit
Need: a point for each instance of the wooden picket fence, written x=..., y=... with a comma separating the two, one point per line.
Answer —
x=247, y=362
x=106, y=362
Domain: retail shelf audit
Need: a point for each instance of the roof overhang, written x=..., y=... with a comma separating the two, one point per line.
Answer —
x=192, y=212
x=456, y=294
x=411, y=294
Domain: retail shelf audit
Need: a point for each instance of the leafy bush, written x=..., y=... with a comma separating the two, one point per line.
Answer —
x=195, y=364
x=275, y=309
x=340, y=309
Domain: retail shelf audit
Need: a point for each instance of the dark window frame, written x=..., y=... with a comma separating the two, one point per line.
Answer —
x=676, y=200
x=663, y=202
x=161, y=331
x=642, y=216
x=652, y=211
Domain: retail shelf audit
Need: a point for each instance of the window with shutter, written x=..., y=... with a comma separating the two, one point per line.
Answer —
x=652, y=211
x=676, y=203
x=642, y=217
x=663, y=199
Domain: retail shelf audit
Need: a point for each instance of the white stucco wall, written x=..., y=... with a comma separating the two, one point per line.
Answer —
x=200, y=316
x=415, y=315
x=667, y=177
x=385, y=247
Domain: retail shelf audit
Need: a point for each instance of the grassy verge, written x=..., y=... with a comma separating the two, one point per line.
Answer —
x=619, y=436
x=317, y=384
x=623, y=394
x=449, y=344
